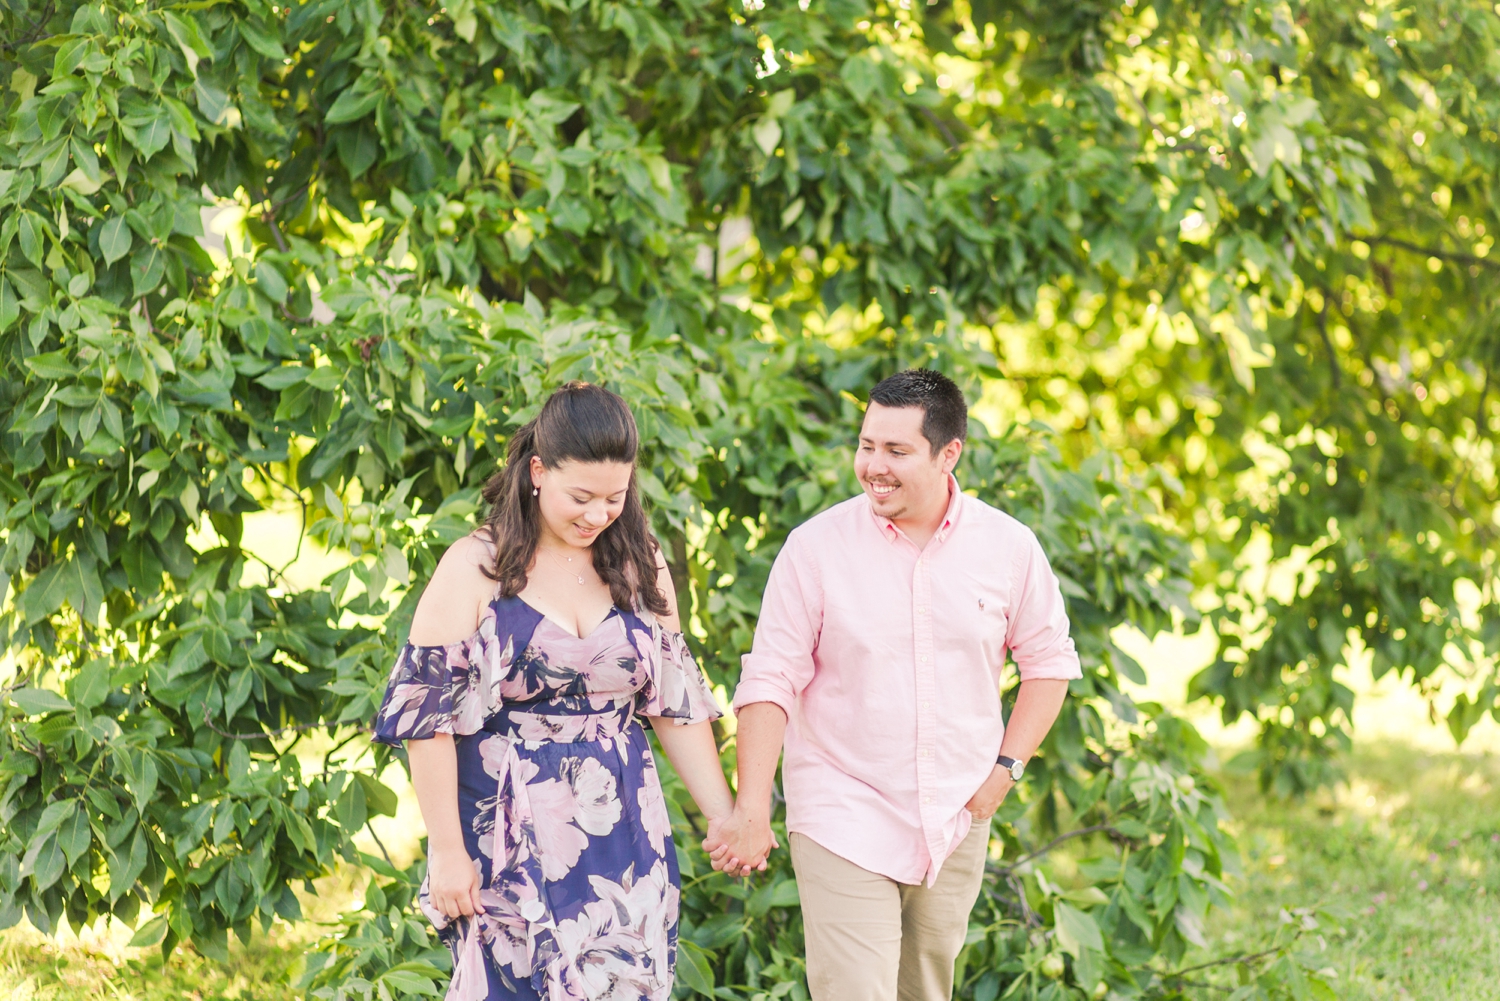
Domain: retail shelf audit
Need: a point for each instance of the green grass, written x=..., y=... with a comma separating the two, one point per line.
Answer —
x=97, y=965
x=1408, y=850
x=33, y=968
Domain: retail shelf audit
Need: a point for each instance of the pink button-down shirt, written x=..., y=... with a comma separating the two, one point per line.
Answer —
x=887, y=660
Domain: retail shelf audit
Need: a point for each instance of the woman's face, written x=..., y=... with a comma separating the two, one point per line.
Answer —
x=578, y=500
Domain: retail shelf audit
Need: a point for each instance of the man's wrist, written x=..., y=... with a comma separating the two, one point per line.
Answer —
x=749, y=812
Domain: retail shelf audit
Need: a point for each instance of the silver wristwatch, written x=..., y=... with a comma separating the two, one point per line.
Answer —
x=1016, y=768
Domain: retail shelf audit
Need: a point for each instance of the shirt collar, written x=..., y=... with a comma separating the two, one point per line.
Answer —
x=891, y=533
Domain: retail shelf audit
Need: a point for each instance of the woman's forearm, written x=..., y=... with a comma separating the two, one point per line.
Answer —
x=695, y=758
x=434, y=776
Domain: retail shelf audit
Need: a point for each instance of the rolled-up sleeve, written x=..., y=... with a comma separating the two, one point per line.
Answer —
x=780, y=662
x=1038, y=633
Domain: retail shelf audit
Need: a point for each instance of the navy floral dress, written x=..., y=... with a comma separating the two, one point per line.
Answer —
x=558, y=797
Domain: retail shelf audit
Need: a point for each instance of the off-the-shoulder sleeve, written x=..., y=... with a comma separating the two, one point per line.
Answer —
x=444, y=689
x=676, y=688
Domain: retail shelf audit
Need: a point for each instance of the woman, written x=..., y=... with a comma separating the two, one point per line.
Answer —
x=538, y=644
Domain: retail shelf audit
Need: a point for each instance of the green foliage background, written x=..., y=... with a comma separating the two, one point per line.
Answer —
x=1236, y=255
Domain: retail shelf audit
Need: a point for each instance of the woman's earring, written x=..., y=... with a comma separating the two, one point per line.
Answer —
x=535, y=491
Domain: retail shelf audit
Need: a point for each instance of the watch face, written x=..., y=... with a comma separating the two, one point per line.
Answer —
x=1016, y=771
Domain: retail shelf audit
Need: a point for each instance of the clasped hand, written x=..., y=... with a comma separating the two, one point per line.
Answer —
x=739, y=843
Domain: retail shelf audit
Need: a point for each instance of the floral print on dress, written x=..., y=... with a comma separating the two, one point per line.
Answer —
x=559, y=800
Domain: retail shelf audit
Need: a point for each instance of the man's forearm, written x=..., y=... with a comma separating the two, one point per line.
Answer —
x=1037, y=705
x=759, y=731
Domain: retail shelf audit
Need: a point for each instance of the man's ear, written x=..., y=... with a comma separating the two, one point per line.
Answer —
x=951, y=453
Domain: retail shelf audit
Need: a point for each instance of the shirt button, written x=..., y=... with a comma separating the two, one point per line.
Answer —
x=926, y=799
x=923, y=658
x=923, y=706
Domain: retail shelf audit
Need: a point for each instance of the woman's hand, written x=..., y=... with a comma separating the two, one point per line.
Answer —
x=453, y=882
x=452, y=878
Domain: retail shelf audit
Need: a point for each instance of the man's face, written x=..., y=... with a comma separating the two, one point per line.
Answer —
x=896, y=466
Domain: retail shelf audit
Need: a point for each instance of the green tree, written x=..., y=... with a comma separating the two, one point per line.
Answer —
x=421, y=218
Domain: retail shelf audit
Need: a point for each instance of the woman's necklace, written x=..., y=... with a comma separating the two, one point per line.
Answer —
x=568, y=569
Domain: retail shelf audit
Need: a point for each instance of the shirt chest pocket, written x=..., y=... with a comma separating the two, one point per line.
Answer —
x=986, y=616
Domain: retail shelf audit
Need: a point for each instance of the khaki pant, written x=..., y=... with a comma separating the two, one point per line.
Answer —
x=870, y=938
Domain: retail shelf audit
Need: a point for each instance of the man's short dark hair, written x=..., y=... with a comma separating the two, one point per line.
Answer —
x=945, y=415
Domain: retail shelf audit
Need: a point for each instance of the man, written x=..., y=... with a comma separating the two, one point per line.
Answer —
x=878, y=657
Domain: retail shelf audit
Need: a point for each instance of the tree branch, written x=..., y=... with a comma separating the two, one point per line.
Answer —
x=369, y=826
x=1151, y=126
x=278, y=732
x=34, y=32
x=269, y=218
x=1442, y=255
x=1097, y=828
x=942, y=127
x=1333, y=359
x=1484, y=390
x=1250, y=958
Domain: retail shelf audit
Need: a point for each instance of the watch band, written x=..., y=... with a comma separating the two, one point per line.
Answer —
x=1015, y=767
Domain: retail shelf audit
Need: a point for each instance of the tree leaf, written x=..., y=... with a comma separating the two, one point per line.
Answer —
x=352, y=104
x=115, y=239
x=75, y=837
x=54, y=167
x=268, y=282
x=412, y=983
x=281, y=377
x=91, y=684
x=150, y=933
x=49, y=863
x=694, y=968
x=213, y=103
x=32, y=234
x=85, y=160
x=150, y=133
x=1076, y=930
x=767, y=134
x=861, y=76
x=379, y=798
x=184, y=31
x=10, y=307
x=54, y=587
x=53, y=817
x=260, y=39
x=147, y=268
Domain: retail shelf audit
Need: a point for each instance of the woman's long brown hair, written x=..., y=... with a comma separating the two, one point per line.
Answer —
x=582, y=423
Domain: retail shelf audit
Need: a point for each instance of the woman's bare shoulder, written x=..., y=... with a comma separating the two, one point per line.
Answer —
x=664, y=583
x=453, y=599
